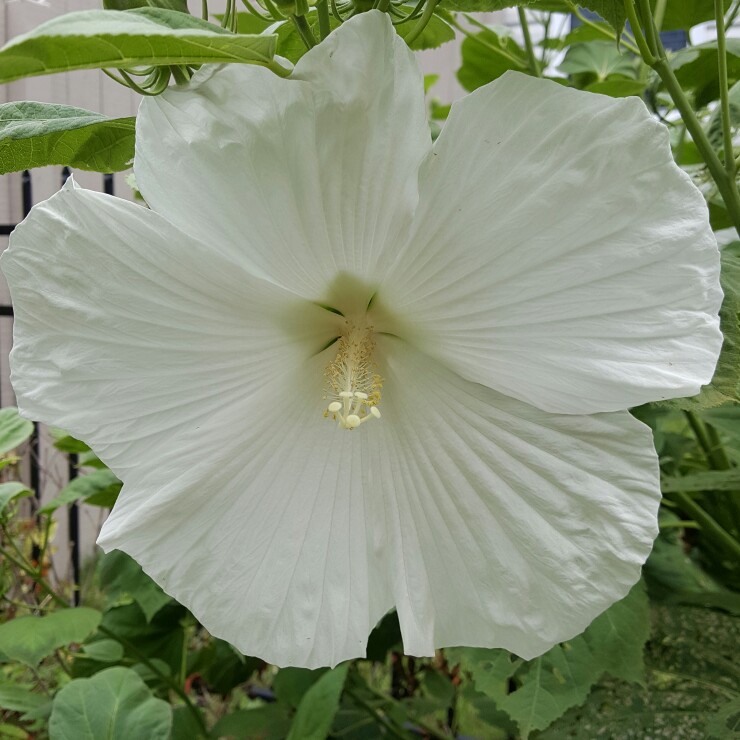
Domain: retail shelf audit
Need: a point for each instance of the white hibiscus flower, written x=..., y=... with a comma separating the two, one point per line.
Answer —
x=484, y=300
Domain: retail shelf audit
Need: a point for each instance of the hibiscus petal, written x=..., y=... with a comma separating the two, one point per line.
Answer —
x=126, y=329
x=511, y=527
x=298, y=178
x=559, y=255
x=270, y=539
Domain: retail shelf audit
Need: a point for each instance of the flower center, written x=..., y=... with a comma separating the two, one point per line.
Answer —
x=352, y=381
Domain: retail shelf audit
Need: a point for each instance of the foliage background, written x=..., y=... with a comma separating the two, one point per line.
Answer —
x=113, y=656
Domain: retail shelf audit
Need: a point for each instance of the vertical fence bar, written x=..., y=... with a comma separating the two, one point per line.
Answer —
x=73, y=521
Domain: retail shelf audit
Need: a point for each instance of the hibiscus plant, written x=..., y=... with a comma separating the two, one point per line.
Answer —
x=414, y=419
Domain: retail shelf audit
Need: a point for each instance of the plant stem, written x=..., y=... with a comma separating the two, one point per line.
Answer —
x=35, y=576
x=707, y=523
x=421, y=24
x=304, y=30
x=724, y=92
x=534, y=68
x=162, y=676
x=322, y=9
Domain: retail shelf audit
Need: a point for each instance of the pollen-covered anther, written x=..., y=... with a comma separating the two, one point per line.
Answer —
x=352, y=379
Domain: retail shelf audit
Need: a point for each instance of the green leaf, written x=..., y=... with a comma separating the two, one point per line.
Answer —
x=563, y=676
x=124, y=581
x=488, y=6
x=683, y=14
x=669, y=570
x=319, y=706
x=20, y=699
x=291, y=684
x=222, y=667
x=92, y=39
x=114, y=704
x=692, y=675
x=14, y=430
x=181, y=6
x=185, y=726
x=102, y=651
x=598, y=60
x=30, y=639
x=270, y=722
x=486, y=56
x=726, y=723
x=41, y=134
x=99, y=488
x=712, y=480
x=696, y=69
x=65, y=443
x=726, y=381
x=11, y=491
x=616, y=87
x=435, y=33
x=612, y=11
x=714, y=125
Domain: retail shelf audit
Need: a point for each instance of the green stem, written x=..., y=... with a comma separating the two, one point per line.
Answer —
x=278, y=69
x=421, y=24
x=322, y=9
x=651, y=32
x=162, y=676
x=707, y=523
x=533, y=66
x=35, y=576
x=204, y=9
x=724, y=88
x=645, y=51
x=304, y=30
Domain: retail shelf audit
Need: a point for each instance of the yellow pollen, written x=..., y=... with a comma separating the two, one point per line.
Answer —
x=352, y=383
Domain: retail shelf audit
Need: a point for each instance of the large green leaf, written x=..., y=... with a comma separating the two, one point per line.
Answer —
x=30, y=639
x=41, y=134
x=99, y=488
x=563, y=677
x=114, y=704
x=692, y=678
x=91, y=39
x=14, y=430
x=486, y=56
x=317, y=709
x=725, y=385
